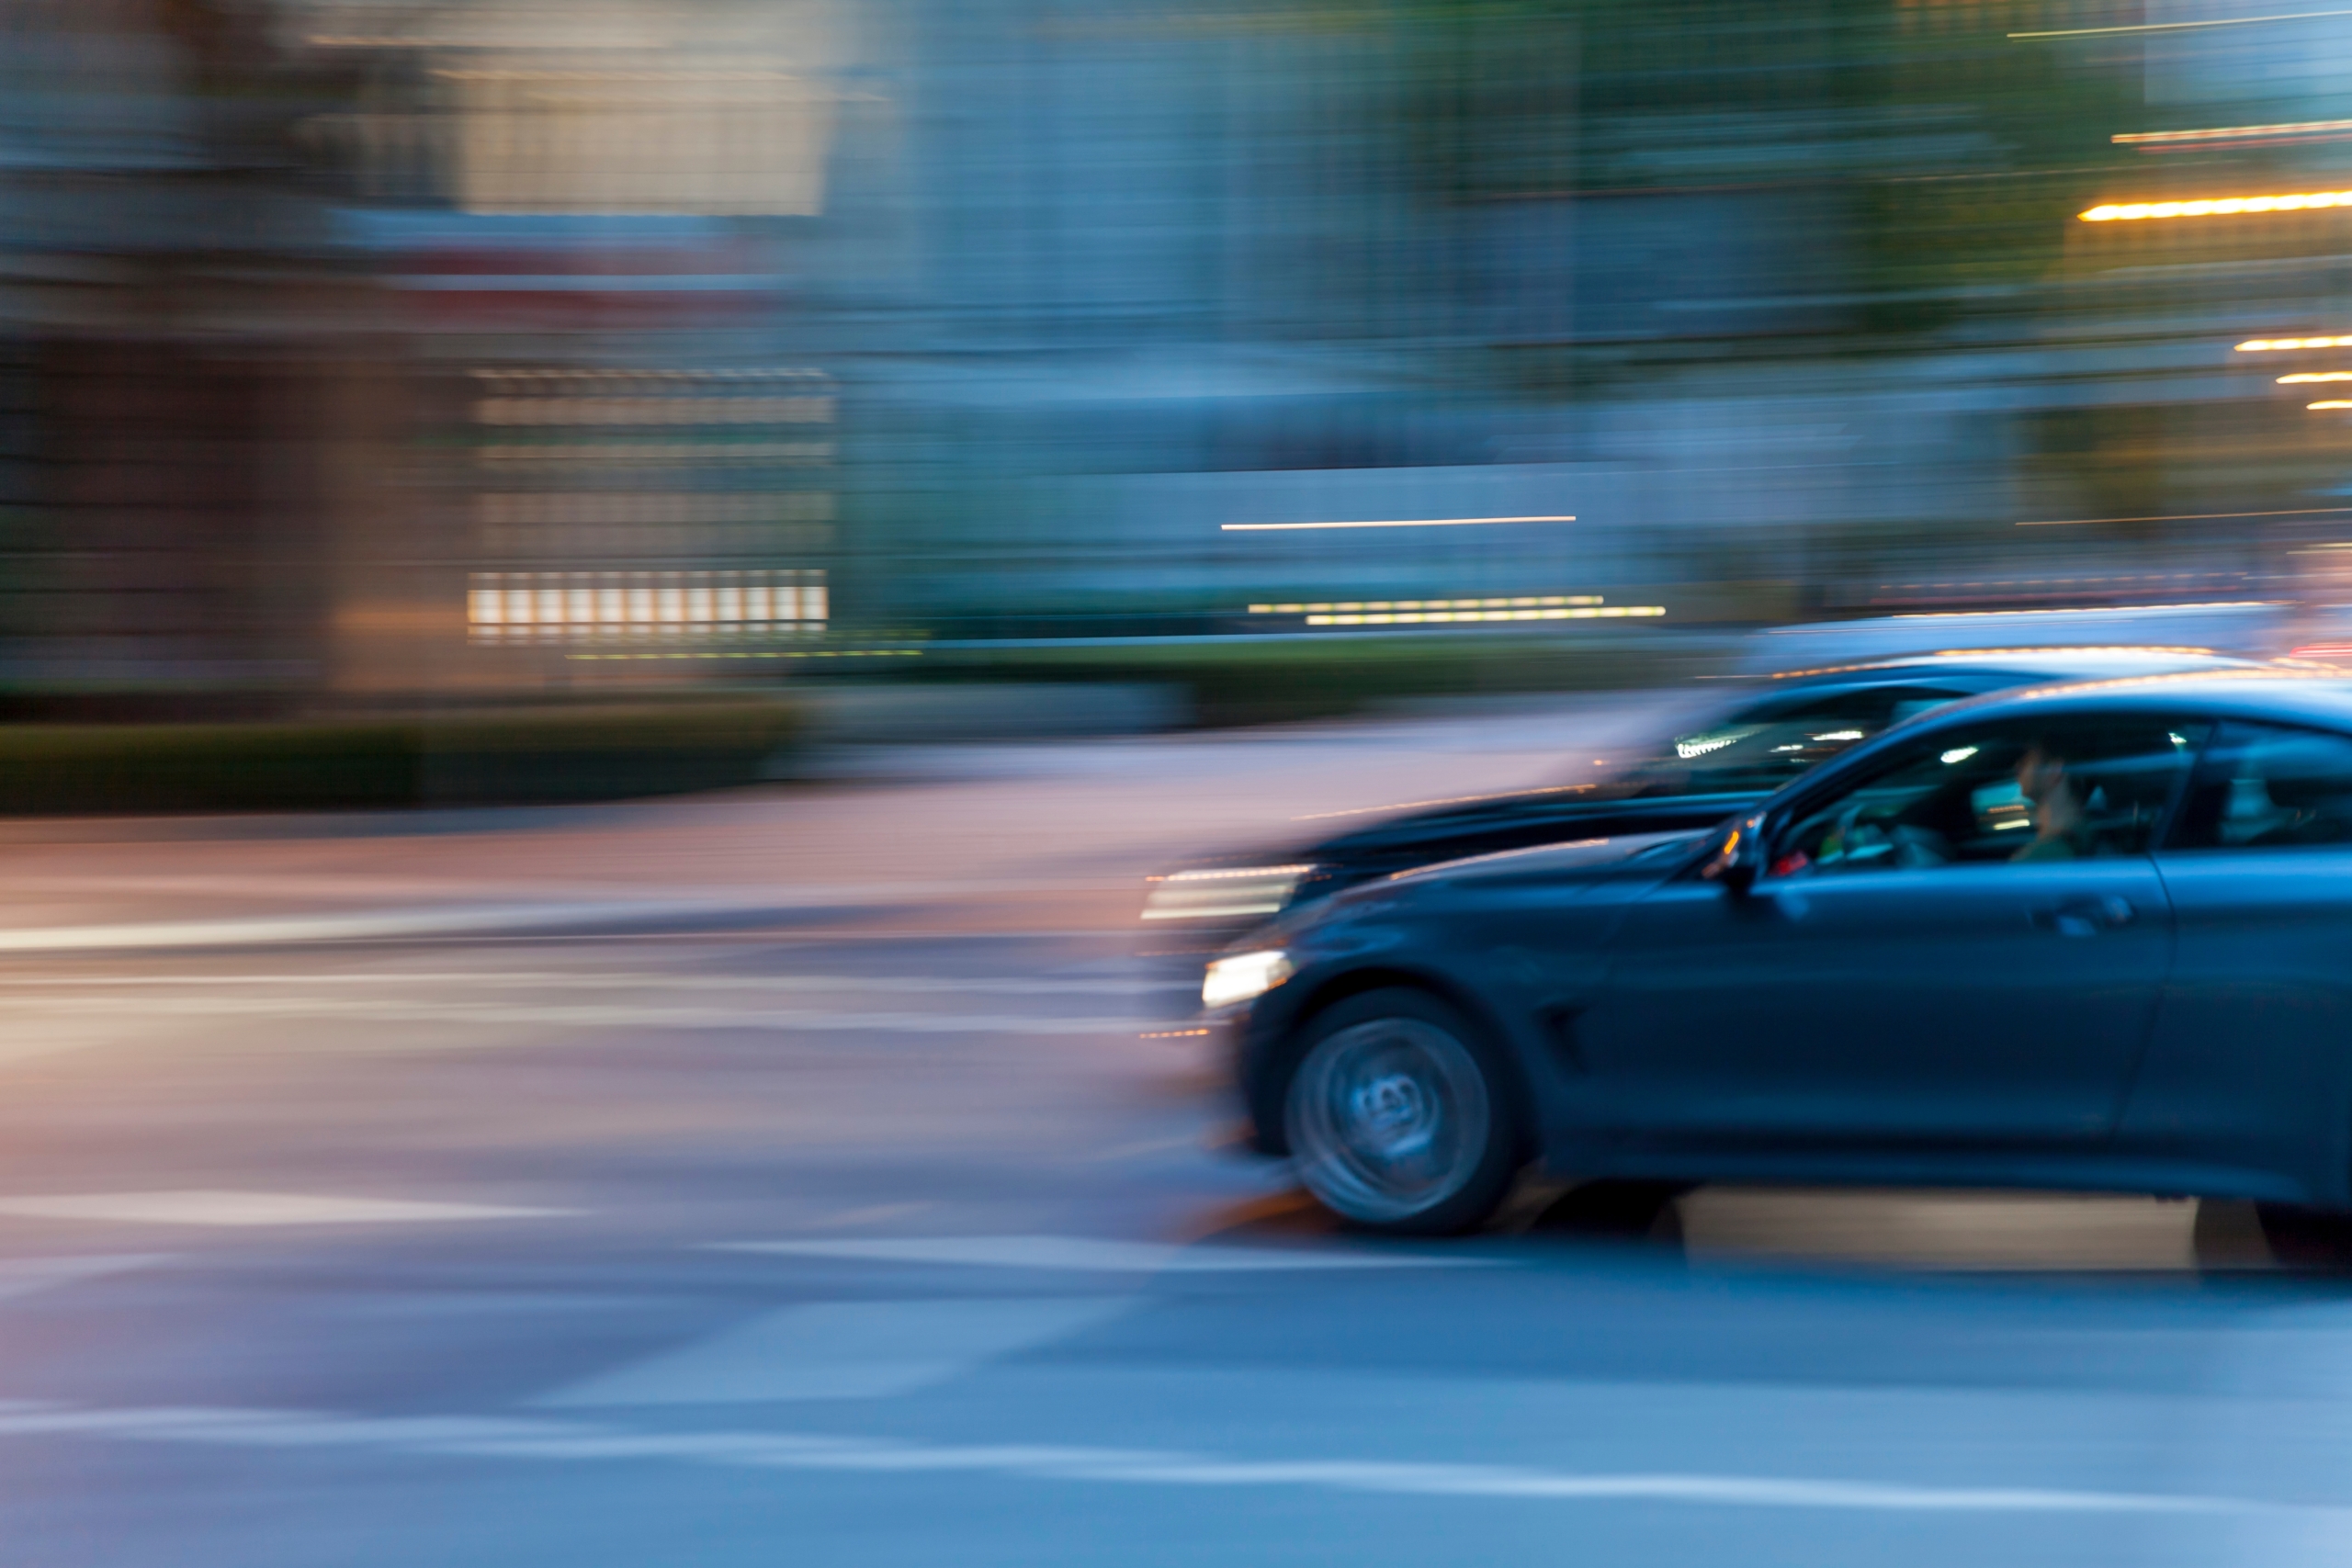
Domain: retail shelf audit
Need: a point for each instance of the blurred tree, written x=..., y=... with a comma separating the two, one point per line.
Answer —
x=1956, y=154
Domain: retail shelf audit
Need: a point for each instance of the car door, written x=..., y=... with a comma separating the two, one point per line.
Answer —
x=2247, y=1064
x=1921, y=961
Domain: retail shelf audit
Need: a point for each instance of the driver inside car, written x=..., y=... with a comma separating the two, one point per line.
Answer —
x=2061, y=827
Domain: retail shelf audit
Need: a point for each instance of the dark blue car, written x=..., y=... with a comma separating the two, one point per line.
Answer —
x=1771, y=732
x=2086, y=936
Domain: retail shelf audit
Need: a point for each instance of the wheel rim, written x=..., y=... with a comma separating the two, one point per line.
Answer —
x=1388, y=1119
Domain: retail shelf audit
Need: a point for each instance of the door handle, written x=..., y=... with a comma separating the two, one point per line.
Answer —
x=2085, y=916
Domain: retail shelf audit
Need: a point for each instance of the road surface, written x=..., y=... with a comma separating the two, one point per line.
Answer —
x=881, y=1228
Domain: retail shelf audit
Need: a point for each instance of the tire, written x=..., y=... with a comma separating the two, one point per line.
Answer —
x=2315, y=1239
x=1400, y=1120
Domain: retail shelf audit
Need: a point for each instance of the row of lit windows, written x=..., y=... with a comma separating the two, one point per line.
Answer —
x=710, y=545
x=601, y=508
x=804, y=409
x=608, y=381
x=561, y=606
x=715, y=454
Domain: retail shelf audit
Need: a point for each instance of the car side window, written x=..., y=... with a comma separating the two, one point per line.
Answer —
x=2067, y=789
x=2264, y=787
x=1762, y=746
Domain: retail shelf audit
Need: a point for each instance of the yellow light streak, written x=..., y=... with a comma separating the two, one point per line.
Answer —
x=2307, y=376
x=2094, y=648
x=2220, y=207
x=2331, y=403
x=2275, y=345
x=2233, y=132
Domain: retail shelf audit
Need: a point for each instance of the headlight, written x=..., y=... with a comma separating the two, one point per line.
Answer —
x=1221, y=893
x=1244, y=976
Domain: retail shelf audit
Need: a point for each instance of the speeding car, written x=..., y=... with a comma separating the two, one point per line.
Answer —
x=1776, y=730
x=2095, y=936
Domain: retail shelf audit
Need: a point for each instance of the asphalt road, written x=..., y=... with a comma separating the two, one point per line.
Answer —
x=894, y=1239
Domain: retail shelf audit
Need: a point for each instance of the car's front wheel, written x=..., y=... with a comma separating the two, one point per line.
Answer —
x=1399, y=1119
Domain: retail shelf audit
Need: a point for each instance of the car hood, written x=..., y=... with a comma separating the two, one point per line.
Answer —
x=1598, y=857
x=1355, y=918
x=1563, y=804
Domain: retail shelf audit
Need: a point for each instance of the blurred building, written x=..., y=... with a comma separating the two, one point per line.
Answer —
x=378, y=346
x=398, y=348
x=168, y=354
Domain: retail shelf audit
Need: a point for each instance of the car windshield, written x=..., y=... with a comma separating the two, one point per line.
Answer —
x=1761, y=745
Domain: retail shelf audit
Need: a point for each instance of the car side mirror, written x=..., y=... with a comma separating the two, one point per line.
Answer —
x=1738, y=860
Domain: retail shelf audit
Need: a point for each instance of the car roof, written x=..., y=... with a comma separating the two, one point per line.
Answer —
x=2289, y=694
x=2045, y=663
x=2240, y=626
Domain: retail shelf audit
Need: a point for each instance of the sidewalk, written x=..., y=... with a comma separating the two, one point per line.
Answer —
x=1041, y=837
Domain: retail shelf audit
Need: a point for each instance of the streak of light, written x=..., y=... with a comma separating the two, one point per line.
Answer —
x=2298, y=379
x=2101, y=609
x=2182, y=27
x=1354, y=605
x=756, y=653
x=1455, y=617
x=2181, y=517
x=1399, y=523
x=1259, y=871
x=2234, y=134
x=1972, y=653
x=2218, y=206
x=2273, y=344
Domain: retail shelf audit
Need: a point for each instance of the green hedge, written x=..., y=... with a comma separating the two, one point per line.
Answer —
x=465, y=758
x=1263, y=682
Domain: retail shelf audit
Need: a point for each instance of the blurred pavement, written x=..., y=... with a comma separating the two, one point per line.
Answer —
x=880, y=1235
x=1032, y=836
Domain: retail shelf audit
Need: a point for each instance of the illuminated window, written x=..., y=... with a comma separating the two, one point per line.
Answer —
x=513, y=607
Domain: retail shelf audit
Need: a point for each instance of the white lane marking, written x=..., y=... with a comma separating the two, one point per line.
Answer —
x=579, y=913
x=1090, y=1255
x=593, y=1015
x=649, y=980
x=33, y=1033
x=559, y=1441
x=1143, y=1148
x=872, y=1214
x=199, y=1207
x=372, y=924
x=43, y=1418
x=840, y=1350
x=24, y=1276
x=284, y=1430
x=588, y=1442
